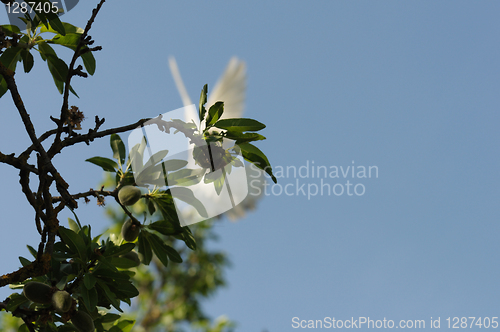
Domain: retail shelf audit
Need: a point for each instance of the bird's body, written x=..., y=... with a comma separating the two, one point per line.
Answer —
x=230, y=89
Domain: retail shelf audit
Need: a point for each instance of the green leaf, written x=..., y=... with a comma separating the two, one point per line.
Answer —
x=125, y=325
x=151, y=206
x=15, y=300
x=124, y=290
x=186, y=195
x=107, y=164
x=215, y=113
x=106, y=270
x=119, y=250
x=54, y=22
x=70, y=40
x=3, y=86
x=28, y=60
x=203, y=101
x=109, y=318
x=240, y=124
x=219, y=183
x=74, y=242
x=145, y=248
x=109, y=294
x=24, y=261
x=173, y=164
x=118, y=148
x=89, y=280
x=32, y=251
x=59, y=85
x=45, y=49
x=241, y=137
x=188, y=238
x=22, y=328
x=69, y=29
x=165, y=204
x=11, y=56
x=165, y=227
x=66, y=328
x=89, y=62
x=57, y=68
x=136, y=155
x=73, y=225
x=186, y=177
x=156, y=158
x=73, y=91
x=123, y=262
x=159, y=248
x=253, y=154
x=9, y=30
x=90, y=297
x=173, y=255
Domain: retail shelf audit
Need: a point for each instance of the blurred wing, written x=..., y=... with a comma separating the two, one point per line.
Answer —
x=178, y=81
x=231, y=89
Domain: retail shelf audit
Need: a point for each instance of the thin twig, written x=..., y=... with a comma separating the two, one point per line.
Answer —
x=71, y=72
x=91, y=192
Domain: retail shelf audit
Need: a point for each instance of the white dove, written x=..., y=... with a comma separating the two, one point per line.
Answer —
x=229, y=89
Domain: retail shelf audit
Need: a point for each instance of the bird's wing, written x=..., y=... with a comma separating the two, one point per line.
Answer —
x=231, y=89
x=178, y=81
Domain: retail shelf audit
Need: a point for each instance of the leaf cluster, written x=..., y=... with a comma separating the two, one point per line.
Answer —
x=241, y=130
x=35, y=39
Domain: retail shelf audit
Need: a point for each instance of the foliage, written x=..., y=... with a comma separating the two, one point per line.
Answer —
x=165, y=266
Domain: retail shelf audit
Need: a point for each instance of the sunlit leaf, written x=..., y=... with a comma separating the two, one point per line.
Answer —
x=118, y=148
x=203, y=101
x=69, y=28
x=240, y=124
x=215, y=112
x=241, y=137
x=255, y=155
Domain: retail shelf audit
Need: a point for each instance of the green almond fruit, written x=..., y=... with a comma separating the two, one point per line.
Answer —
x=129, y=195
x=83, y=322
x=133, y=256
x=62, y=301
x=130, y=230
x=38, y=292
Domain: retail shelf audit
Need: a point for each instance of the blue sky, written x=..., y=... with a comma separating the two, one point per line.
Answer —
x=409, y=87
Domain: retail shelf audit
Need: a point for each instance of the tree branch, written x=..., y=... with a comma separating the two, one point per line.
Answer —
x=19, y=163
x=91, y=192
x=62, y=186
x=84, y=40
